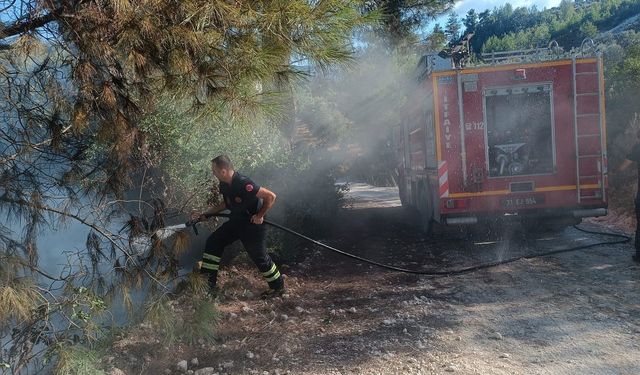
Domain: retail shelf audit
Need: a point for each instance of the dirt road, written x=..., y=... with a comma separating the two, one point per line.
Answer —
x=574, y=313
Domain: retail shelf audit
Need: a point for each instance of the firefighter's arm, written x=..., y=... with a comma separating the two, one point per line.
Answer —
x=195, y=215
x=268, y=198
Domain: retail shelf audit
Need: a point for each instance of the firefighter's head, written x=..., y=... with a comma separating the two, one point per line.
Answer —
x=222, y=168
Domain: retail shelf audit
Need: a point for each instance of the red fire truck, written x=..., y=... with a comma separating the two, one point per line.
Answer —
x=505, y=140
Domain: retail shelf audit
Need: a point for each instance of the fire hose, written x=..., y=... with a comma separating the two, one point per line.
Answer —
x=621, y=239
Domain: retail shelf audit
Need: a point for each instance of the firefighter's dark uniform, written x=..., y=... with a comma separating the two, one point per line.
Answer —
x=634, y=156
x=240, y=198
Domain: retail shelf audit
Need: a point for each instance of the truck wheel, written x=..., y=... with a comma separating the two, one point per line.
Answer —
x=401, y=194
x=426, y=210
x=427, y=225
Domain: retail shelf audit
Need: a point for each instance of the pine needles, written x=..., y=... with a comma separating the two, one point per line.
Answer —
x=189, y=318
x=78, y=360
x=17, y=301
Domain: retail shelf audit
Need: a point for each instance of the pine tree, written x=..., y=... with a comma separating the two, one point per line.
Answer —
x=400, y=18
x=470, y=21
x=452, y=28
x=78, y=78
x=436, y=39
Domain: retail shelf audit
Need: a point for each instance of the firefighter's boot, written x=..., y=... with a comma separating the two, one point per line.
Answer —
x=275, y=281
x=272, y=293
x=276, y=287
x=213, y=288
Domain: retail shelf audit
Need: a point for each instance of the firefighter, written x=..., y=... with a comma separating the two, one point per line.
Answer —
x=634, y=157
x=248, y=204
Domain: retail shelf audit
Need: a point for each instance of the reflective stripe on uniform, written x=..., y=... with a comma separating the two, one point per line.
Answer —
x=272, y=270
x=211, y=257
x=272, y=274
x=207, y=266
x=274, y=277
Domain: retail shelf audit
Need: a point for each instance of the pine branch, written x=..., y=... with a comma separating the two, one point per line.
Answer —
x=9, y=6
x=22, y=26
x=40, y=271
x=109, y=236
x=34, y=146
x=43, y=207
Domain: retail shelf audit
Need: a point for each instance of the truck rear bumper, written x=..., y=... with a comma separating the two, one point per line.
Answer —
x=576, y=213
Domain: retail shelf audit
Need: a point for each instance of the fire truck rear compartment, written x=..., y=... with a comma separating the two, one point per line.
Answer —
x=519, y=131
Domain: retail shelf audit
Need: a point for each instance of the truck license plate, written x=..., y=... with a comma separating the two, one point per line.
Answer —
x=522, y=201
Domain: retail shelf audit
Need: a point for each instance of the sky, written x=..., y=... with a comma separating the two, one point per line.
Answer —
x=462, y=7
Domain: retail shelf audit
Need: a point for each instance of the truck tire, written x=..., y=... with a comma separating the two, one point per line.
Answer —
x=402, y=194
x=425, y=208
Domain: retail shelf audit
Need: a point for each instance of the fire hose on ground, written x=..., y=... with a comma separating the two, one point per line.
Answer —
x=166, y=232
